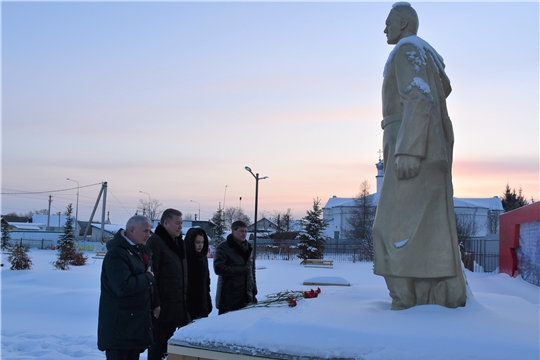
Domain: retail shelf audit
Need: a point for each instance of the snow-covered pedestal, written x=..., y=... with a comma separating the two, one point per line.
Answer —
x=354, y=322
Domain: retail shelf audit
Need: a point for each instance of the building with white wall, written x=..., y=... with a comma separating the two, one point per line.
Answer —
x=484, y=211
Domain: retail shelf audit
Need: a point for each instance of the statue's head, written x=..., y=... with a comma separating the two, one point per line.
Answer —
x=401, y=22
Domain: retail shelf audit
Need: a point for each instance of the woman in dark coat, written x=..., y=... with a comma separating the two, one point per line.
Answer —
x=199, y=302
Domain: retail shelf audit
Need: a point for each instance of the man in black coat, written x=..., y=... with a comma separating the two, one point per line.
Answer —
x=233, y=264
x=170, y=268
x=125, y=321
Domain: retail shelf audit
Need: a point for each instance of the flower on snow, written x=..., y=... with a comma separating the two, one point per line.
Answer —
x=312, y=293
x=287, y=297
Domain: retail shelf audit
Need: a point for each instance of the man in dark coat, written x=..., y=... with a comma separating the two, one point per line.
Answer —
x=125, y=321
x=199, y=302
x=170, y=268
x=233, y=264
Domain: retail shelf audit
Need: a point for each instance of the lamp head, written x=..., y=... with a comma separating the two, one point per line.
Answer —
x=248, y=168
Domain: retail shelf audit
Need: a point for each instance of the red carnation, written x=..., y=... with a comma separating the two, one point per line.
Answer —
x=292, y=302
x=310, y=294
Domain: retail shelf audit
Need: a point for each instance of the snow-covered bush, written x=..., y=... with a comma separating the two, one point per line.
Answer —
x=19, y=258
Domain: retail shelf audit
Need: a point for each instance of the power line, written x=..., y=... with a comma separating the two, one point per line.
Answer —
x=50, y=191
x=109, y=190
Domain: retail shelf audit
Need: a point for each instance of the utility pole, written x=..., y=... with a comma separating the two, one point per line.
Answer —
x=49, y=213
x=104, y=203
x=103, y=192
x=224, y=196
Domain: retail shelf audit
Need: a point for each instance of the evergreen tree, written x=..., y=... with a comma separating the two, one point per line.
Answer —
x=311, y=238
x=66, y=243
x=19, y=258
x=512, y=200
x=360, y=223
x=219, y=230
x=6, y=236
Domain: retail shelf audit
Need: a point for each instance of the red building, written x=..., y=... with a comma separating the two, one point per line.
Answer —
x=509, y=235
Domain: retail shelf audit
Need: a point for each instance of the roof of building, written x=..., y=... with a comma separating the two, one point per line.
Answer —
x=52, y=220
x=24, y=225
x=111, y=228
x=348, y=202
x=16, y=218
x=492, y=203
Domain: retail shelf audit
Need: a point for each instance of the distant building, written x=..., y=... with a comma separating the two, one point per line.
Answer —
x=265, y=225
x=54, y=222
x=109, y=230
x=16, y=218
x=483, y=211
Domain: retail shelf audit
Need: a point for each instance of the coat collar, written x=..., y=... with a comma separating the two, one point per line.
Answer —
x=244, y=252
x=176, y=245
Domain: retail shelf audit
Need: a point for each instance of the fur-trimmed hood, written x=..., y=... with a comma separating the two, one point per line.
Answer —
x=190, y=241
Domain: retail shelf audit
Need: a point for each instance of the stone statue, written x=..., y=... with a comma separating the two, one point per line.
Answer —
x=414, y=234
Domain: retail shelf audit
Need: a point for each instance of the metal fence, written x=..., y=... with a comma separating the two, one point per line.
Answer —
x=50, y=244
x=336, y=252
x=477, y=256
x=481, y=255
x=33, y=243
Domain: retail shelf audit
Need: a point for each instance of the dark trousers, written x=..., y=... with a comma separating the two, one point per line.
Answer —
x=163, y=331
x=123, y=354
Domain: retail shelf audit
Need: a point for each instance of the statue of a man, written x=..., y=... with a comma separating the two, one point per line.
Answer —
x=414, y=234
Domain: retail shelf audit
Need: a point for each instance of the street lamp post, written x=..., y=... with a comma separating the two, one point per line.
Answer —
x=142, y=192
x=257, y=178
x=224, y=196
x=76, y=210
x=199, y=208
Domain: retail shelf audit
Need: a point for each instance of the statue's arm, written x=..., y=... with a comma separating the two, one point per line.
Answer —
x=414, y=92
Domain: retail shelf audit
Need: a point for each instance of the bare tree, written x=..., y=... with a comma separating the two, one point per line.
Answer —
x=29, y=214
x=493, y=221
x=188, y=217
x=360, y=223
x=283, y=219
x=467, y=227
x=232, y=214
x=151, y=209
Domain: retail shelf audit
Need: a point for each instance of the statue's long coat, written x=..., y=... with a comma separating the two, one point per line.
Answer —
x=414, y=233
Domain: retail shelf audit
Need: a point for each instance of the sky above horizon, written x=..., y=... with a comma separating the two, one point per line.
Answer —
x=175, y=98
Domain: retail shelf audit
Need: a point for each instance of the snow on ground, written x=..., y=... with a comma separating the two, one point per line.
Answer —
x=52, y=314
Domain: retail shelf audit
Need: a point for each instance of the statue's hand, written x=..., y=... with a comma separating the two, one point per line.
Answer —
x=407, y=166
